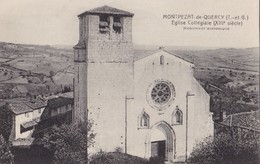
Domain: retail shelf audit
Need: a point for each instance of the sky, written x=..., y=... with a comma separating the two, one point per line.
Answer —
x=50, y=22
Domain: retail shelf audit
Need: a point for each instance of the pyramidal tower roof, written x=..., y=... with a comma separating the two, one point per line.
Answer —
x=106, y=10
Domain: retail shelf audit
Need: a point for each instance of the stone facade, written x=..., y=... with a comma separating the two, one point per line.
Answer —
x=136, y=105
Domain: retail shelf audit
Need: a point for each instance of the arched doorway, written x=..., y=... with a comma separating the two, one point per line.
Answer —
x=160, y=141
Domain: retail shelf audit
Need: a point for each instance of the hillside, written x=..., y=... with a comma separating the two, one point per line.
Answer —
x=40, y=69
x=43, y=65
x=241, y=59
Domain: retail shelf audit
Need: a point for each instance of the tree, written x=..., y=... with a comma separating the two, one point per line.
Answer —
x=69, y=143
x=6, y=157
x=225, y=149
x=6, y=122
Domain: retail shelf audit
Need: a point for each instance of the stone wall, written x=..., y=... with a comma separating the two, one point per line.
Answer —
x=102, y=82
x=115, y=91
x=180, y=73
x=110, y=46
x=108, y=84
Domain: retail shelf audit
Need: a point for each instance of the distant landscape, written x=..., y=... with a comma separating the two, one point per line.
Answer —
x=27, y=70
x=34, y=70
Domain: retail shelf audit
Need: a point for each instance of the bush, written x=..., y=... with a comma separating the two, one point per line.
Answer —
x=6, y=122
x=156, y=160
x=116, y=158
x=118, y=150
x=225, y=149
x=69, y=143
x=6, y=157
x=33, y=154
x=121, y=158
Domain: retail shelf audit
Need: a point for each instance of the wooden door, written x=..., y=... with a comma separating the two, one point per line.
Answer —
x=158, y=149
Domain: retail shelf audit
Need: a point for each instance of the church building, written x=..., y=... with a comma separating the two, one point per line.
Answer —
x=147, y=105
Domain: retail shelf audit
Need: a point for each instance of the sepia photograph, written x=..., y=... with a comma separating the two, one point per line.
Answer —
x=129, y=82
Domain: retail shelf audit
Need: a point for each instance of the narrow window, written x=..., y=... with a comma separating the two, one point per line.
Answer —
x=103, y=23
x=162, y=60
x=177, y=116
x=144, y=120
x=117, y=25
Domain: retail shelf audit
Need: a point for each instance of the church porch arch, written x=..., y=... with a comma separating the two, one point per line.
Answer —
x=170, y=140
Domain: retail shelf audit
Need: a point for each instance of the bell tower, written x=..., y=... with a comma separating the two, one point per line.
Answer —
x=104, y=53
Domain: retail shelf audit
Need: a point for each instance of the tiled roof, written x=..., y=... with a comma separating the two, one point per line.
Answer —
x=2, y=103
x=36, y=103
x=63, y=78
x=22, y=89
x=29, y=124
x=19, y=108
x=140, y=54
x=59, y=102
x=17, y=80
x=106, y=10
x=66, y=94
x=174, y=54
x=249, y=120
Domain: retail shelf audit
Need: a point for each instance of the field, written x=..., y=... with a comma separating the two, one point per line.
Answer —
x=239, y=65
x=36, y=65
x=32, y=66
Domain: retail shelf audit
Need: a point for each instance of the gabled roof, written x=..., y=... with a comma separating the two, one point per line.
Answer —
x=174, y=54
x=19, y=108
x=29, y=124
x=36, y=103
x=17, y=80
x=2, y=103
x=248, y=120
x=59, y=102
x=20, y=89
x=141, y=54
x=66, y=95
x=106, y=10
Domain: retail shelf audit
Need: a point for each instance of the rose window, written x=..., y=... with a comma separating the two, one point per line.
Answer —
x=161, y=93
